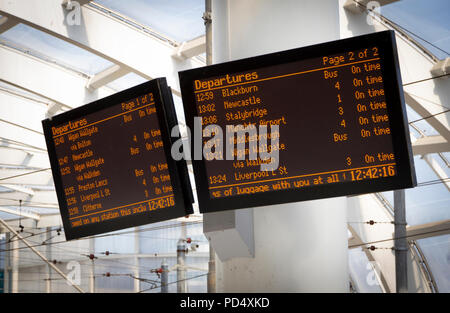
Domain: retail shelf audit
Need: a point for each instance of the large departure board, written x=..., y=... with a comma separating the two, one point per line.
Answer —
x=334, y=118
x=112, y=165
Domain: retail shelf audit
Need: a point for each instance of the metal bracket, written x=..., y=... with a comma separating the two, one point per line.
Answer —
x=207, y=18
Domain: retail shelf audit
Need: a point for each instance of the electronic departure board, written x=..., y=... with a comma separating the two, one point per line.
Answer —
x=331, y=115
x=111, y=162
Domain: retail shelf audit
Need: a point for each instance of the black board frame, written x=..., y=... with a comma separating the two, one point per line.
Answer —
x=177, y=169
x=405, y=177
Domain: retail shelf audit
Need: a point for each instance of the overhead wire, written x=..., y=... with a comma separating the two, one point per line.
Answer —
x=31, y=203
x=26, y=146
x=399, y=237
x=21, y=126
x=434, y=182
x=429, y=101
x=115, y=234
x=80, y=253
x=24, y=174
x=426, y=79
x=351, y=246
x=174, y=282
x=427, y=117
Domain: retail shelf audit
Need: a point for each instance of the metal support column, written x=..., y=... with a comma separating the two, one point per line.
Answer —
x=208, y=31
x=212, y=270
x=92, y=266
x=48, y=255
x=14, y=257
x=164, y=277
x=137, y=250
x=181, y=270
x=208, y=40
x=7, y=276
x=400, y=242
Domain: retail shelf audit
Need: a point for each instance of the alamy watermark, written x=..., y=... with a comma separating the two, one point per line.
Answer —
x=73, y=17
x=230, y=144
x=74, y=275
x=373, y=277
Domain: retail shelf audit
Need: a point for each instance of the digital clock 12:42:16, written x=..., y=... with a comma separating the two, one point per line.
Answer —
x=372, y=173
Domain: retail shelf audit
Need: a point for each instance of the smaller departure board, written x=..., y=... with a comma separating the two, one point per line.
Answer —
x=330, y=118
x=111, y=162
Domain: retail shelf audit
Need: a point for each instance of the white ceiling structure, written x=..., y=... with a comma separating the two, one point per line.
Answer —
x=27, y=98
x=48, y=66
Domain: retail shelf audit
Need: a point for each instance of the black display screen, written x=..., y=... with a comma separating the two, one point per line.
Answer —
x=111, y=162
x=334, y=119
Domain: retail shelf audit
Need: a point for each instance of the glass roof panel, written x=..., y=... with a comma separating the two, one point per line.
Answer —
x=423, y=125
x=437, y=252
x=7, y=216
x=446, y=155
x=64, y=53
x=179, y=20
x=443, y=162
x=427, y=21
x=414, y=132
x=429, y=201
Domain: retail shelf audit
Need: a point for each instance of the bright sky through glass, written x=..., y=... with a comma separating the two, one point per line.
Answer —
x=57, y=49
x=428, y=19
x=180, y=20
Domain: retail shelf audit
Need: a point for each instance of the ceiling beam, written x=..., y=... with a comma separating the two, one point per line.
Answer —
x=22, y=113
x=359, y=6
x=434, y=121
x=17, y=176
x=60, y=85
x=22, y=213
x=10, y=143
x=19, y=188
x=21, y=135
x=38, y=197
x=189, y=49
x=19, y=157
x=428, y=230
x=430, y=144
x=7, y=23
x=49, y=101
x=105, y=77
x=81, y=2
x=52, y=110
